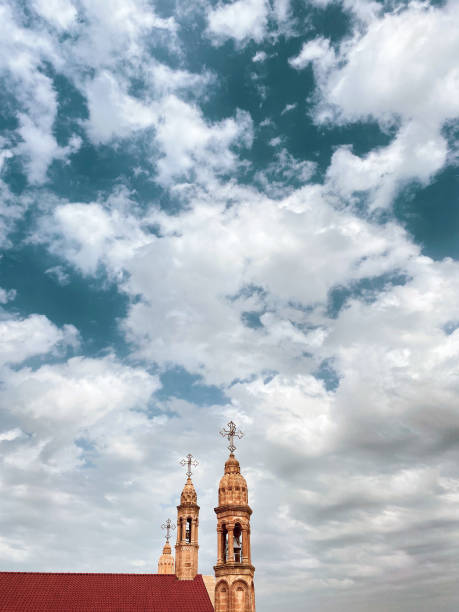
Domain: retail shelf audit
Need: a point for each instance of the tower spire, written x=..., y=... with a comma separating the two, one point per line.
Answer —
x=234, y=590
x=187, y=546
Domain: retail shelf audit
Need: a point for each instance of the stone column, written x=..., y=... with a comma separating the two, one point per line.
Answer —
x=245, y=550
x=219, y=546
x=194, y=531
x=230, y=543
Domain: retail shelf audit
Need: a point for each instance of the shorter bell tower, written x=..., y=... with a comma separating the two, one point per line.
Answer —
x=234, y=589
x=166, y=564
x=186, y=548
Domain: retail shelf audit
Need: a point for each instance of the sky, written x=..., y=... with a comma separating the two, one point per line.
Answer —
x=240, y=210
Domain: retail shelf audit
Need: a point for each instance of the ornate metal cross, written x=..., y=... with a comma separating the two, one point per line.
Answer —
x=231, y=433
x=168, y=526
x=190, y=461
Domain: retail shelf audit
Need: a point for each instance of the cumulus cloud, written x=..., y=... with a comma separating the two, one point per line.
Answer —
x=417, y=152
x=285, y=172
x=66, y=417
x=89, y=235
x=317, y=50
x=107, y=49
x=190, y=300
x=23, y=55
x=193, y=148
x=399, y=70
x=112, y=112
x=7, y=295
x=242, y=21
x=60, y=13
x=34, y=335
x=402, y=65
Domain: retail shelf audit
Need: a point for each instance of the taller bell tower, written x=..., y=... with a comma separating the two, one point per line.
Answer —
x=234, y=589
x=186, y=548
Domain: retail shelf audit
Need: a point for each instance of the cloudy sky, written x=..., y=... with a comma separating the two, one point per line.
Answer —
x=239, y=210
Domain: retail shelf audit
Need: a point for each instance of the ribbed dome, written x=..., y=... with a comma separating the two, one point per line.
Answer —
x=189, y=493
x=232, y=490
x=166, y=564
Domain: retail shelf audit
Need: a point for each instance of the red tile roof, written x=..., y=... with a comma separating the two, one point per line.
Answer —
x=50, y=592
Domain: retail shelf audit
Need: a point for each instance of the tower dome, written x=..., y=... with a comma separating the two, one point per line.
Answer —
x=166, y=563
x=232, y=490
x=188, y=495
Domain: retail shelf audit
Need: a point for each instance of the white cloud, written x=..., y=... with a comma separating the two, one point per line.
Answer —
x=117, y=31
x=242, y=20
x=164, y=80
x=7, y=295
x=418, y=151
x=282, y=11
x=400, y=70
x=59, y=273
x=104, y=36
x=22, y=52
x=34, y=335
x=192, y=305
x=110, y=49
x=12, y=434
x=403, y=65
x=283, y=173
x=78, y=394
x=11, y=210
x=260, y=56
x=364, y=10
x=192, y=147
x=61, y=13
x=274, y=142
x=89, y=235
x=289, y=107
x=317, y=50
x=112, y=112
x=186, y=144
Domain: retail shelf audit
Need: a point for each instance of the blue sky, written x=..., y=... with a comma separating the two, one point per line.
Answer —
x=233, y=210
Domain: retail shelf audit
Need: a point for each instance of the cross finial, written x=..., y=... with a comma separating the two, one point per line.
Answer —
x=168, y=526
x=190, y=461
x=231, y=433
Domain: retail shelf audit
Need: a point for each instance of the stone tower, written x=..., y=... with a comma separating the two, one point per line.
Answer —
x=234, y=589
x=186, y=548
x=166, y=563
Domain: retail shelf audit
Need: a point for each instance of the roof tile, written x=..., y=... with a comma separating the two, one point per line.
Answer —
x=69, y=592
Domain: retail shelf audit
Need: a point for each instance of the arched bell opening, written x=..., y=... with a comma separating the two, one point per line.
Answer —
x=188, y=530
x=237, y=543
x=224, y=537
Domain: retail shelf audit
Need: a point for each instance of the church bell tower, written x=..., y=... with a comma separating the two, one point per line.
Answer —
x=186, y=548
x=234, y=589
x=166, y=563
